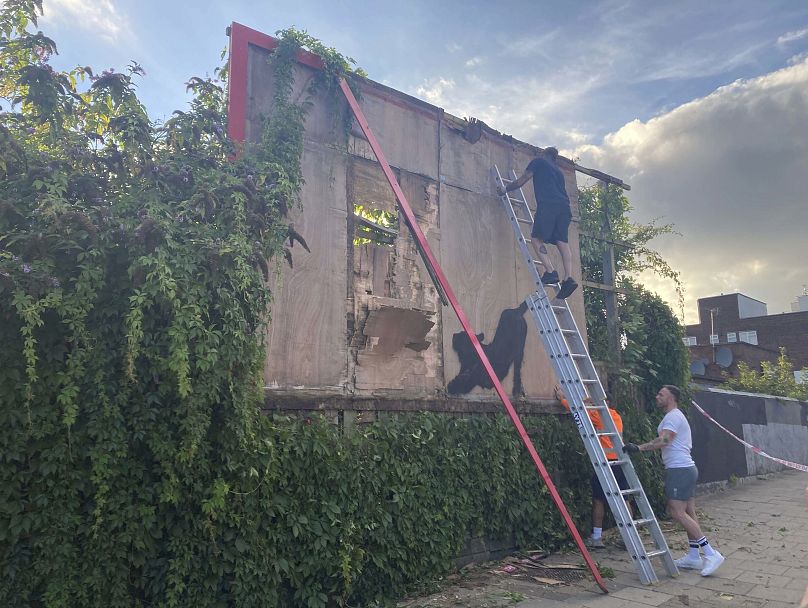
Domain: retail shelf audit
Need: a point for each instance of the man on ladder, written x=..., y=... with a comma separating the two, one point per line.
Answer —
x=553, y=217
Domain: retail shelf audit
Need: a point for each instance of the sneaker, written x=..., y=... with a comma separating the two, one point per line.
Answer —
x=550, y=278
x=595, y=543
x=712, y=563
x=567, y=287
x=689, y=563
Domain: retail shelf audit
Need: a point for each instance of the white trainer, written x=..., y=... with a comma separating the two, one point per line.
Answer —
x=689, y=563
x=712, y=563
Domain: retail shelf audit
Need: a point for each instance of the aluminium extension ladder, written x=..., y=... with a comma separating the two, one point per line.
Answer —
x=579, y=380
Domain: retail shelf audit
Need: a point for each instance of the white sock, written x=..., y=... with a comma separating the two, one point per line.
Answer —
x=597, y=533
x=705, y=546
x=693, y=553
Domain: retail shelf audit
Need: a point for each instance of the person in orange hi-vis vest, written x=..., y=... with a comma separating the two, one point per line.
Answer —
x=598, y=496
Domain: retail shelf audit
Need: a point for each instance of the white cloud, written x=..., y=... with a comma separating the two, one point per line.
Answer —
x=697, y=63
x=529, y=108
x=453, y=47
x=532, y=46
x=435, y=90
x=728, y=170
x=100, y=17
x=797, y=58
x=474, y=61
x=792, y=36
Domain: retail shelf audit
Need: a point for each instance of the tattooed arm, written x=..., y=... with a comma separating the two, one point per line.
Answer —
x=665, y=438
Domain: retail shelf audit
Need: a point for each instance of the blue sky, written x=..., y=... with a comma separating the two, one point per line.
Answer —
x=701, y=106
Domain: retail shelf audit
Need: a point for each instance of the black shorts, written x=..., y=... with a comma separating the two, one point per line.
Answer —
x=552, y=223
x=597, y=490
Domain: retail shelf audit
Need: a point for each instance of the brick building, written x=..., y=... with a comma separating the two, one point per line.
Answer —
x=734, y=328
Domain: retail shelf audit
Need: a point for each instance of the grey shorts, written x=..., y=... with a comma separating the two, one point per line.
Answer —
x=680, y=483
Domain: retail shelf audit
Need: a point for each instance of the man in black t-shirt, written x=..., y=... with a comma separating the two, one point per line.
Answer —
x=553, y=215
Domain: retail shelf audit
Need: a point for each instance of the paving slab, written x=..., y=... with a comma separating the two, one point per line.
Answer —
x=761, y=526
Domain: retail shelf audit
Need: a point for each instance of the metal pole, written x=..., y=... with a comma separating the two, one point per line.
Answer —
x=609, y=272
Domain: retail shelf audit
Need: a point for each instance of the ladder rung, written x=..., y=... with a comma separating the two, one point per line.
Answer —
x=519, y=219
x=588, y=381
x=597, y=407
x=614, y=463
x=643, y=522
x=568, y=331
x=557, y=307
x=656, y=553
x=577, y=356
x=630, y=491
x=607, y=434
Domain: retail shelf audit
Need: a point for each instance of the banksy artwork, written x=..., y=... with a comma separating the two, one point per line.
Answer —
x=506, y=349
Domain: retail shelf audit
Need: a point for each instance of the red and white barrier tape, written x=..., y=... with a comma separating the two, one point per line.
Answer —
x=756, y=450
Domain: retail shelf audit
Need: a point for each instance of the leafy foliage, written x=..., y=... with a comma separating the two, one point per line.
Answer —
x=610, y=207
x=774, y=378
x=365, y=234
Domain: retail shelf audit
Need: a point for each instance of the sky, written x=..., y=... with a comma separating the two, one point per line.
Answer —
x=702, y=107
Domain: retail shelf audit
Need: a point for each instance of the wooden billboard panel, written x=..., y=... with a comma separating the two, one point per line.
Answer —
x=364, y=320
x=477, y=253
x=306, y=341
x=407, y=129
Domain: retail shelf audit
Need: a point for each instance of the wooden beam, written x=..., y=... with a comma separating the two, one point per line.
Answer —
x=604, y=287
x=374, y=226
x=592, y=235
x=601, y=176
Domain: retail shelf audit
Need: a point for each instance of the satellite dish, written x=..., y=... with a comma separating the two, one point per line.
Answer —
x=697, y=368
x=723, y=356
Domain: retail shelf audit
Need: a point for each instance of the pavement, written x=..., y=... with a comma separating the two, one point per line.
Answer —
x=759, y=525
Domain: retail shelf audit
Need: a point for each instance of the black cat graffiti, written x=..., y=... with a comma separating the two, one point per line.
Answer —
x=506, y=349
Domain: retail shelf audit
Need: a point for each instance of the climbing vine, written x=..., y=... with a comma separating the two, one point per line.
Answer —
x=652, y=352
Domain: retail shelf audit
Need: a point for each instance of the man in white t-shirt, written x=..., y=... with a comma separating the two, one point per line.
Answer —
x=681, y=475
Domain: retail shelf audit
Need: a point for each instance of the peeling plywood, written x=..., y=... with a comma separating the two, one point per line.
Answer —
x=398, y=352
x=395, y=340
x=389, y=328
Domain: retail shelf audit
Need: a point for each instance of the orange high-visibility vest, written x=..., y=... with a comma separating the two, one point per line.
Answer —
x=594, y=416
